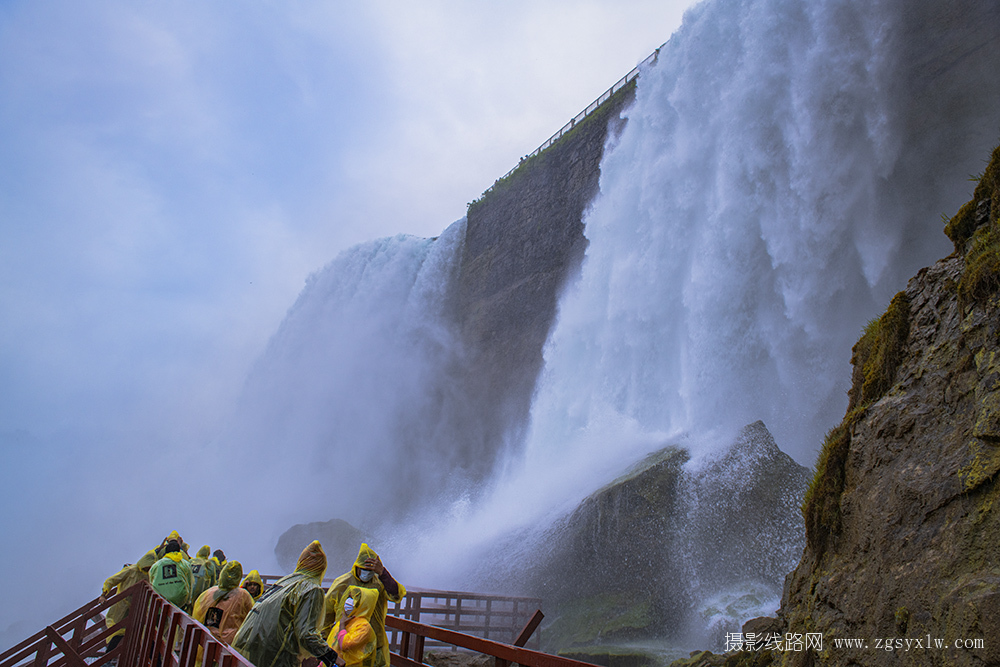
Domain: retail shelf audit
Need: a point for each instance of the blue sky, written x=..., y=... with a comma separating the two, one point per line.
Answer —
x=170, y=174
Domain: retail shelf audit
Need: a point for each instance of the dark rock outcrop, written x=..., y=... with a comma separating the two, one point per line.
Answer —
x=340, y=541
x=915, y=549
x=638, y=558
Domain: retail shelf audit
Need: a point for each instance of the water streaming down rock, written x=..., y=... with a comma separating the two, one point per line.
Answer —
x=781, y=173
x=777, y=181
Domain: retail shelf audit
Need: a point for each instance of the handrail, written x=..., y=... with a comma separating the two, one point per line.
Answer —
x=486, y=615
x=87, y=636
x=154, y=630
x=412, y=656
x=159, y=629
x=497, y=617
x=591, y=108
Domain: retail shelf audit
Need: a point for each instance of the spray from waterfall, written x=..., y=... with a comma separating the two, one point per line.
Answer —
x=781, y=175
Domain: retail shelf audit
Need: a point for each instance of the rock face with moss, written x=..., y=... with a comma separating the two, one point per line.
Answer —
x=902, y=518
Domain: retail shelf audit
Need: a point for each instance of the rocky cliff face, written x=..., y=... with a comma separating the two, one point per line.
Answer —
x=523, y=239
x=902, y=519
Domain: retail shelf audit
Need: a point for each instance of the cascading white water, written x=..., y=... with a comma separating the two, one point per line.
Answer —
x=781, y=175
x=751, y=218
x=353, y=392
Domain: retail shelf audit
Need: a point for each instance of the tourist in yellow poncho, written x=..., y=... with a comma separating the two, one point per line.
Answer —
x=119, y=583
x=254, y=584
x=367, y=572
x=223, y=608
x=175, y=536
x=204, y=572
x=283, y=627
x=352, y=636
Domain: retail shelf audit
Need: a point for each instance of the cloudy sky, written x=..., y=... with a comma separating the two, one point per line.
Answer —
x=170, y=174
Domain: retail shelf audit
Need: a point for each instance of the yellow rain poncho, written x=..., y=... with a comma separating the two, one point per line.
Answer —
x=356, y=641
x=174, y=535
x=121, y=582
x=283, y=627
x=253, y=578
x=204, y=572
x=334, y=602
x=223, y=608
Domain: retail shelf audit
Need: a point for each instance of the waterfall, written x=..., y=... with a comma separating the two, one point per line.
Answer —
x=782, y=173
x=354, y=393
x=775, y=185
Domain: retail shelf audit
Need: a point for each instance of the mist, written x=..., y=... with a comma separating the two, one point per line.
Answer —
x=172, y=189
x=172, y=175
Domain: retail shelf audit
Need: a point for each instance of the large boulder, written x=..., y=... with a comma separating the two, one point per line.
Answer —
x=672, y=539
x=340, y=541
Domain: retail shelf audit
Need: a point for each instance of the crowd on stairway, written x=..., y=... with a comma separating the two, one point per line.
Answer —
x=278, y=625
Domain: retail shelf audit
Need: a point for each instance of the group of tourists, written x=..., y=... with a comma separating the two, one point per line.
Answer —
x=291, y=620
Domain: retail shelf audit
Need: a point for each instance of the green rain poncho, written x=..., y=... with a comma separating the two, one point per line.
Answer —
x=283, y=627
x=334, y=602
x=171, y=577
x=122, y=581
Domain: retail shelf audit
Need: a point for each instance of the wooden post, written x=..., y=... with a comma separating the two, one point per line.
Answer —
x=529, y=628
x=404, y=645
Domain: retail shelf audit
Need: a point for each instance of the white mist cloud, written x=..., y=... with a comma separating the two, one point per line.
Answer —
x=170, y=175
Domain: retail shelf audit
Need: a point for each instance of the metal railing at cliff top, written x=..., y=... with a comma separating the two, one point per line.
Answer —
x=591, y=108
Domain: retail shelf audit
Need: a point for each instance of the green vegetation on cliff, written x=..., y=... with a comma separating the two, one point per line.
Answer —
x=971, y=216
x=876, y=356
x=975, y=231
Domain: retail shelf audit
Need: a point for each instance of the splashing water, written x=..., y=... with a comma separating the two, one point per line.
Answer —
x=767, y=197
x=353, y=394
x=781, y=175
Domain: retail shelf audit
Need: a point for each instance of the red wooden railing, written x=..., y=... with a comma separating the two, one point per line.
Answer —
x=414, y=636
x=496, y=617
x=157, y=634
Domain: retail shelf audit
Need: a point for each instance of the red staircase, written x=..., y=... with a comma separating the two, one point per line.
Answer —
x=158, y=634
x=153, y=628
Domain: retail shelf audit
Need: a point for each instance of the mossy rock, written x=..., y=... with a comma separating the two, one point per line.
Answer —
x=981, y=278
x=612, y=656
x=975, y=231
x=876, y=358
x=586, y=621
x=878, y=353
x=821, y=505
x=982, y=210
